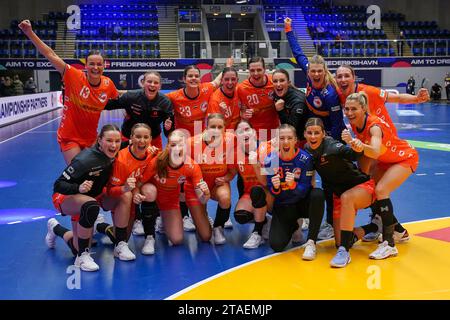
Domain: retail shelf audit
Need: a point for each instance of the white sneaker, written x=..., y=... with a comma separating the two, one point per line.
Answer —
x=122, y=252
x=219, y=237
x=326, y=231
x=254, y=241
x=50, y=238
x=266, y=228
x=138, y=228
x=149, y=246
x=400, y=237
x=100, y=219
x=228, y=224
x=188, y=224
x=305, y=224
x=297, y=236
x=85, y=262
x=310, y=251
x=384, y=251
x=159, y=226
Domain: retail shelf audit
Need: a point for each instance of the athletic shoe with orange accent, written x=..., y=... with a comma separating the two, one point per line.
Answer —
x=399, y=237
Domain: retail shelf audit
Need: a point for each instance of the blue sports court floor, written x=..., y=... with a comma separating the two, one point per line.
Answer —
x=30, y=161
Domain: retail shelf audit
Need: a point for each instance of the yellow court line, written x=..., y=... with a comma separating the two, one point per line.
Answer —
x=421, y=271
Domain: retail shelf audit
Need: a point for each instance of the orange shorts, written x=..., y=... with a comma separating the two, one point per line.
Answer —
x=66, y=145
x=168, y=200
x=58, y=199
x=411, y=163
x=368, y=185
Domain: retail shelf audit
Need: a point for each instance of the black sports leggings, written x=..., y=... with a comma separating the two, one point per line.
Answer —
x=284, y=219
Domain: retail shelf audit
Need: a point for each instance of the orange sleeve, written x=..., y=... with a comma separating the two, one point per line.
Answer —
x=379, y=96
x=213, y=105
x=195, y=173
x=287, y=28
x=71, y=74
x=172, y=95
x=113, y=93
x=210, y=86
x=117, y=180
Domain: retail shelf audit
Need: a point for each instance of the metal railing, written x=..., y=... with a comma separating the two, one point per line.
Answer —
x=223, y=49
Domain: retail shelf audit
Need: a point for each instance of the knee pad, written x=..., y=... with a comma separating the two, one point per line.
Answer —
x=243, y=216
x=88, y=214
x=258, y=197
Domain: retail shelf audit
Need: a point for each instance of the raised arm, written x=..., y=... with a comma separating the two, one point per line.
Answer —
x=44, y=49
x=405, y=98
x=218, y=79
x=297, y=51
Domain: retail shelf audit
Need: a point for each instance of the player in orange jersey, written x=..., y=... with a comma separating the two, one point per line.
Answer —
x=225, y=100
x=213, y=150
x=397, y=160
x=345, y=78
x=191, y=102
x=167, y=172
x=255, y=200
x=257, y=99
x=190, y=106
x=127, y=172
x=86, y=95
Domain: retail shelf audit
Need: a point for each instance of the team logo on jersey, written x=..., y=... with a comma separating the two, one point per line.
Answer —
x=154, y=113
x=271, y=95
x=297, y=173
x=317, y=102
x=325, y=91
x=181, y=179
x=102, y=97
x=223, y=105
x=106, y=82
x=204, y=106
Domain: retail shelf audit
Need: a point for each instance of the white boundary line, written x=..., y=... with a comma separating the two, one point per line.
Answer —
x=20, y=134
x=197, y=284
